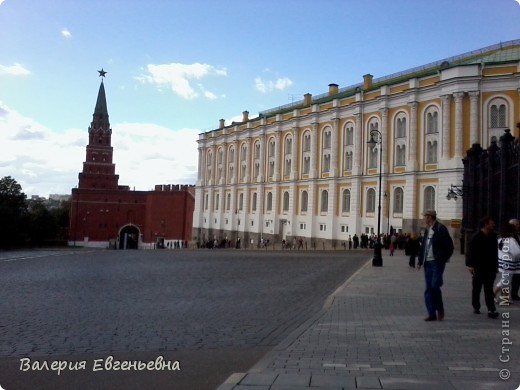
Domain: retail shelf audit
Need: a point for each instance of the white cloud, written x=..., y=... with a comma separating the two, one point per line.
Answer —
x=46, y=162
x=178, y=77
x=14, y=70
x=270, y=85
x=65, y=33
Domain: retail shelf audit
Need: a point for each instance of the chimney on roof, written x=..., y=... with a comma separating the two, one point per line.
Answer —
x=222, y=123
x=307, y=99
x=367, y=81
x=245, y=116
x=333, y=89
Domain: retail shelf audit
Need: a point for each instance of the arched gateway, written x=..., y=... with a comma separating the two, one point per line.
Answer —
x=129, y=237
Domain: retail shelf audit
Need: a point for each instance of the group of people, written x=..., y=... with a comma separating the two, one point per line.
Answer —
x=488, y=253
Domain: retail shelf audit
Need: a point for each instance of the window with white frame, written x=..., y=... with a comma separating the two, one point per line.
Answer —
x=228, y=202
x=206, y=202
x=287, y=156
x=253, y=204
x=269, y=201
x=400, y=155
x=431, y=138
x=326, y=150
x=231, y=163
x=256, y=163
x=372, y=149
x=429, y=198
x=345, y=201
x=398, y=200
x=306, y=152
x=324, y=201
x=270, y=158
x=241, y=201
x=371, y=201
x=209, y=165
x=285, y=201
x=348, y=160
x=304, y=201
x=217, y=201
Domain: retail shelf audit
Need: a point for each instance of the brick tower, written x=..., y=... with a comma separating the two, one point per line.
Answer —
x=98, y=168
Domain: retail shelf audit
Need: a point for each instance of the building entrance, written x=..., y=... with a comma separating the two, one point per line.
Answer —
x=129, y=237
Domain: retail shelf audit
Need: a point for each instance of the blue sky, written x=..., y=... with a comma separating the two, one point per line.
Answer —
x=176, y=67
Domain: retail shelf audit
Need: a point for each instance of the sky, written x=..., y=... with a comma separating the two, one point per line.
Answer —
x=174, y=68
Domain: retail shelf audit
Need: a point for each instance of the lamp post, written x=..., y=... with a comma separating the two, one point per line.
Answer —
x=376, y=138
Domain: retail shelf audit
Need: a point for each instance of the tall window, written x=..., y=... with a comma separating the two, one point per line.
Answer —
x=270, y=158
x=306, y=152
x=304, y=201
x=217, y=201
x=253, y=205
x=287, y=156
x=326, y=148
x=372, y=150
x=432, y=122
x=349, y=135
x=231, y=163
x=371, y=200
x=243, y=162
x=398, y=200
x=345, y=202
x=285, y=205
x=400, y=155
x=431, y=138
x=228, y=202
x=431, y=152
x=209, y=165
x=429, y=198
x=400, y=130
x=348, y=161
x=324, y=201
x=256, y=163
x=498, y=115
x=241, y=202
x=269, y=201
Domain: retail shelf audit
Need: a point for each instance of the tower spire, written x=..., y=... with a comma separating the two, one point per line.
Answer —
x=100, y=117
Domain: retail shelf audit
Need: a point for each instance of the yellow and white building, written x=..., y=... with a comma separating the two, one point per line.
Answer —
x=307, y=170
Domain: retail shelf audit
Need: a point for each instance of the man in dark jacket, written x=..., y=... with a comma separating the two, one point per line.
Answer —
x=436, y=250
x=482, y=262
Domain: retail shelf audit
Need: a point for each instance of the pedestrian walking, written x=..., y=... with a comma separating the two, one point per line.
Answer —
x=436, y=250
x=482, y=262
x=508, y=262
x=516, y=277
x=412, y=249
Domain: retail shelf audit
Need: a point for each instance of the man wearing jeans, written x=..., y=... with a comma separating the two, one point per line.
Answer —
x=436, y=250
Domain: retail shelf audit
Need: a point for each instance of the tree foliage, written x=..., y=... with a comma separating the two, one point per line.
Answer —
x=29, y=222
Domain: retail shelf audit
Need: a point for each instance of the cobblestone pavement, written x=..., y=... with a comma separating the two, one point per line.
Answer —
x=373, y=337
x=72, y=303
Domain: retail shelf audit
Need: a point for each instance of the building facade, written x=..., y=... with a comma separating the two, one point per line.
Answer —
x=306, y=170
x=104, y=213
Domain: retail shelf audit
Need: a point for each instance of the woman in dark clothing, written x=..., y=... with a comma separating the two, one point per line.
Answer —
x=412, y=249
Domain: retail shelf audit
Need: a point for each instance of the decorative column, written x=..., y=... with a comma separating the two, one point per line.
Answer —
x=459, y=135
x=446, y=133
x=473, y=115
x=412, y=146
x=334, y=148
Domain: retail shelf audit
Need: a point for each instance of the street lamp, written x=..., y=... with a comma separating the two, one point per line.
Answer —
x=376, y=138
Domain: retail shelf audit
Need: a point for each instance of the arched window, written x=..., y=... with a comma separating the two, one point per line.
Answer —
x=287, y=156
x=345, y=202
x=432, y=122
x=498, y=116
x=304, y=201
x=372, y=149
x=269, y=201
x=429, y=198
x=306, y=152
x=371, y=200
x=400, y=127
x=285, y=205
x=325, y=153
x=324, y=201
x=253, y=205
x=398, y=200
x=228, y=202
x=241, y=202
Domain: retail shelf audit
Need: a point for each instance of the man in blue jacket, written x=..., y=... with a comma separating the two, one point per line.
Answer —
x=436, y=250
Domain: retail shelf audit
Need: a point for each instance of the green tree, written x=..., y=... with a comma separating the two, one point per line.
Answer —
x=13, y=213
